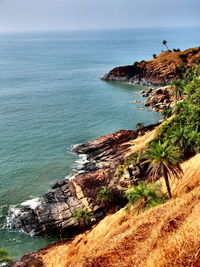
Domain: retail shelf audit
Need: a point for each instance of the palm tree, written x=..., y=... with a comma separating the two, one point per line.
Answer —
x=164, y=162
x=178, y=88
x=179, y=136
x=106, y=196
x=145, y=195
x=83, y=216
x=165, y=43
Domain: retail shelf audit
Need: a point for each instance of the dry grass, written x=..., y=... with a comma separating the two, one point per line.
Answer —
x=167, y=235
x=140, y=142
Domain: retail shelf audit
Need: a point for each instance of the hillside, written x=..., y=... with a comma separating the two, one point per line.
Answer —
x=159, y=71
x=162, y=226
x=167, y=235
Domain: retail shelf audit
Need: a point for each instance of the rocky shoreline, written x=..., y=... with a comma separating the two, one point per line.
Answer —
x=54, y=214
x=159, y=99
x=159, y=71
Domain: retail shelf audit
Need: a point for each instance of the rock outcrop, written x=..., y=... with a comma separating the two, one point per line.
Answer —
x=166, y=235
x=159, y=71
x=159, y=99
x=54, y=214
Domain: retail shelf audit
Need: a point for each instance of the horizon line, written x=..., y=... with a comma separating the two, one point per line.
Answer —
x=95, y=29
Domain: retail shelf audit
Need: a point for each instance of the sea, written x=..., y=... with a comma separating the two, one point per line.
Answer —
x=52, y=98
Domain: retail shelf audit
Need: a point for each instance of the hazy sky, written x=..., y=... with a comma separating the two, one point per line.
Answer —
x=19, y=15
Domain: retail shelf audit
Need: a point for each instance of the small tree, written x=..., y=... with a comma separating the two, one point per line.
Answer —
x=105, y=195
x=164, y=162
x=154, y=55
x=139, y=125
x=167, y=113
x=4, y=256
x=177, y=88
x=165, y=43
x=83, y=216
x=145, y=195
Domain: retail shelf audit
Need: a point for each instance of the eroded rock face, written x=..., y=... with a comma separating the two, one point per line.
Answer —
x=159, y=71
x=160, y=99
x=54, y=214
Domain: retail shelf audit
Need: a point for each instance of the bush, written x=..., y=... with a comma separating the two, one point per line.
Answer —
x=194, y=52
x=139, y=125
x=154, y=55
x=105, y=195
x=4, y=256
x=167, y=113
x=135, y=63
x=83, y=216
x=145, y=196
x=183, y=130
x=181, y=67
x=183, y=57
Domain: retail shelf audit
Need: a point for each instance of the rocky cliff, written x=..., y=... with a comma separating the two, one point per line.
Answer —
x=54, y=213
x=159, y=71
x=166, y=235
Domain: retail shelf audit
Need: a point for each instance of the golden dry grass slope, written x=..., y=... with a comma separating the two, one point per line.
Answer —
x=167, y=235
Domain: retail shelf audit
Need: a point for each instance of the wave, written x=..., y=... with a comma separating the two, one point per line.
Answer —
x=79, y=163
x=13, y=210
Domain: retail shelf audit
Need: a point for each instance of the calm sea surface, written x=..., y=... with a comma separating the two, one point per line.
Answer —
x=51, y=98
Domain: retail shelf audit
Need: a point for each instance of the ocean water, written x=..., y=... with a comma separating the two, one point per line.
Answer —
x=51, y=98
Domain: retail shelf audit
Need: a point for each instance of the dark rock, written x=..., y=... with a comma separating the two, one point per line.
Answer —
x=160, y=99
x=89, y=167
x=145, y=95
x=54, y=214
x=159, y=71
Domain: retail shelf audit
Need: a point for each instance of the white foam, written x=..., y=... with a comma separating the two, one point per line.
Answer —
x=79, y=163
x=14, y=210
x=31, y=203
x=74, y=146
x=12, y=213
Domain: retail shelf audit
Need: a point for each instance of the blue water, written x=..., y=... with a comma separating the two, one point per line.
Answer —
x=51, y=97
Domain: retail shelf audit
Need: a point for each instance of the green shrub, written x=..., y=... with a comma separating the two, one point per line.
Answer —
x=145, y=196
x=139, y=125
x=183, y=57
x=83, y=216
x=194, y=52
x=106, y=196
x=183, y=130
x=4, y=256
x=181, y=67
x=154, y=55
x=120, y=170
x=167, y=113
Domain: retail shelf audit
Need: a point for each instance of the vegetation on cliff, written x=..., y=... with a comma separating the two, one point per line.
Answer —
x=176, y=140
x=161, y=70
x=167, y=235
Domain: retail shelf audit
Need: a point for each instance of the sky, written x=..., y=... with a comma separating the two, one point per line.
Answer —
x=34, y=15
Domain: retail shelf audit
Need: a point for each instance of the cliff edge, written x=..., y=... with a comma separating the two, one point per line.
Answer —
x=159, y=71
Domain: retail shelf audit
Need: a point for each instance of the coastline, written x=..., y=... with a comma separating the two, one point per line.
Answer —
x=105, y=153
x=53, y=214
